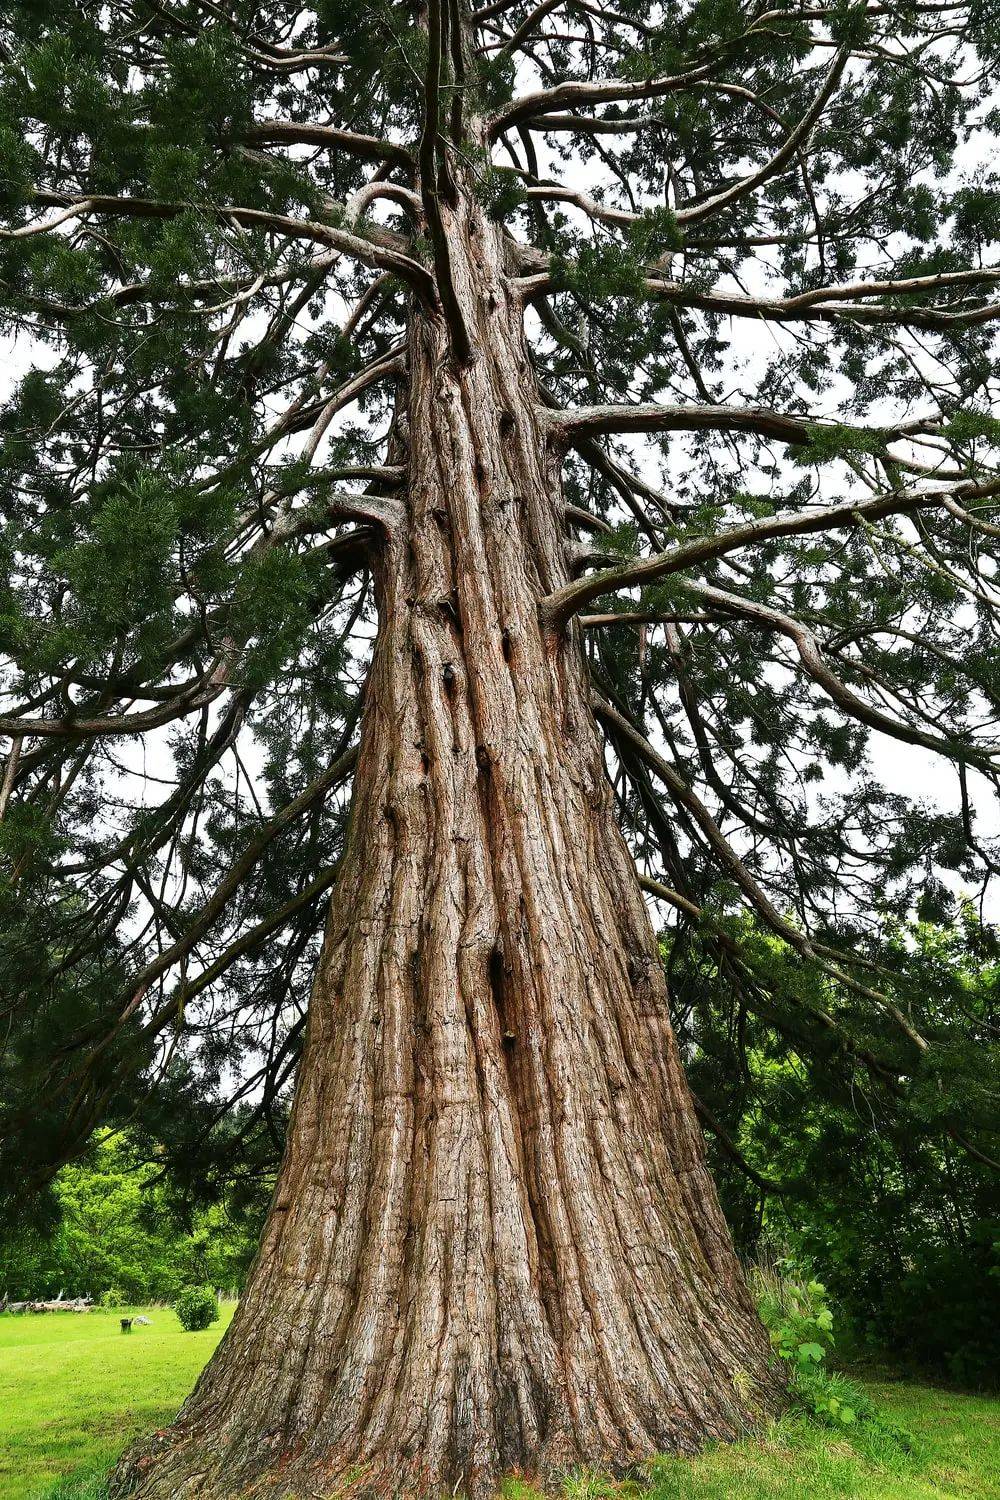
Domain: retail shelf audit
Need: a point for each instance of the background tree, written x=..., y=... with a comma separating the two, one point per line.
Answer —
x=344, y=321
x=902, y=1224
x=121, y=1231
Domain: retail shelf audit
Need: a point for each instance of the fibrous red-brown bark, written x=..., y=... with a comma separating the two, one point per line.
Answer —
x=494, y=1243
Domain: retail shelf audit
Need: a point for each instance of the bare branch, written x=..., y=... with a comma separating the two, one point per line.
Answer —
x=10, y=774
x=296, y=133
x=831, y=304
x=555, y=192
x=74, y=211
x=588, y=421
x=602, y=91
x=204, y=691
x=528, y=25
x=588, y=124
x=335, y=773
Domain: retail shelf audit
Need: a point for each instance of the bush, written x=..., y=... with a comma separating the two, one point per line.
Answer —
x=945, y=1307
x=197, y=1308
x=904, y=1222
x=113, y=1297
x=794, y=1309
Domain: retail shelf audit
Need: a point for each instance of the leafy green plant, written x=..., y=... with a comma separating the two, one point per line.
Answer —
x=197, y=1307
x=799, y=1320
x=905, y=1226
x=113, y=1297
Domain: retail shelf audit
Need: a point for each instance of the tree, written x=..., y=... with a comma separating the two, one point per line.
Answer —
x=118, y=1230
x=904, y=1224
x=507, y=241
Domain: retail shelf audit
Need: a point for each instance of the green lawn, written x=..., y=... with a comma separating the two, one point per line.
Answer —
x=74, y=1390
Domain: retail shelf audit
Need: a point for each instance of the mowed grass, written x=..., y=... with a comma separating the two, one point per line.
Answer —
x=936, y=1445
x=950, y=1450
x=74, y=1391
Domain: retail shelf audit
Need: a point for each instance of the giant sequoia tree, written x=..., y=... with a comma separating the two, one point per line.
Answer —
x=570, y=423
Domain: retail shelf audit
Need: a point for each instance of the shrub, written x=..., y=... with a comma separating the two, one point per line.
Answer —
x=905, y=1223
x=113, y=1297
x=794, y=1309
x=196, y=1308
x=945, y=1307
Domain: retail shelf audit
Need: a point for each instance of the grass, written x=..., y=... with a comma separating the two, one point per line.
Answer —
x=953, y=1453
x=74, y=1391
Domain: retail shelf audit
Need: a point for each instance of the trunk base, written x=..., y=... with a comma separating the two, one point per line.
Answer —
x=177, y=1465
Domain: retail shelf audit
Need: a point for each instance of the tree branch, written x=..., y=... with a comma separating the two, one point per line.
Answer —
x=683, y=794
x=823, y=304
x=296, y=133
x=760, y=421
x=737, y=190
x=556, y=608
x=812, y=658
x=367, y=251
x=601, y=91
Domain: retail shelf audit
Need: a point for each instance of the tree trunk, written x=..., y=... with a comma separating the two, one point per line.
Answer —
x=494, y=1243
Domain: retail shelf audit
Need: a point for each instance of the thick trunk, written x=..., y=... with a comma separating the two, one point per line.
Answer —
x=494, y=1243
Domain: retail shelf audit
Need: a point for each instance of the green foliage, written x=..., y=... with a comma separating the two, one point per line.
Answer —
x=116, y=1234
x=835, y=440
x=501, y=192
x=903, y=1222
x=976, y=210
x=272, y=611
x=942, y=1307
x=798, y=1317
x=118, y=572
x=850, y=23
x=967, y=426
x=197, y=1308
x=493, y=83
x=17, y=161
x=621, y=539
x=599, y=268
x=654, y=233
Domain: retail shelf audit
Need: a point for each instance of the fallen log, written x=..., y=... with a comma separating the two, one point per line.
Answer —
x=61, y=1304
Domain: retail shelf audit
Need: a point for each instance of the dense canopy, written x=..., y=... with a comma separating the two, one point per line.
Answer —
x=757, y=249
